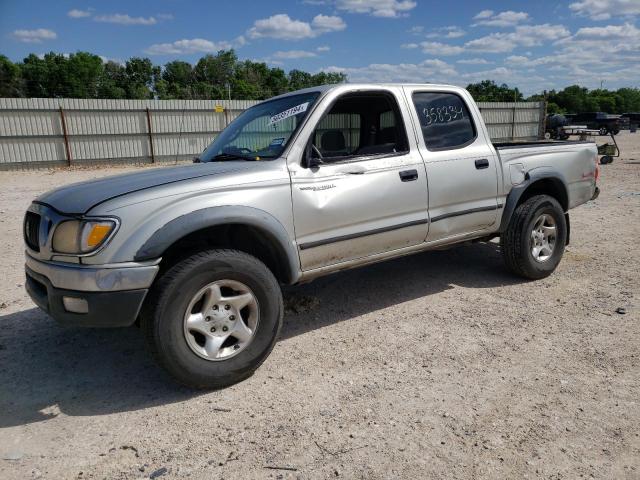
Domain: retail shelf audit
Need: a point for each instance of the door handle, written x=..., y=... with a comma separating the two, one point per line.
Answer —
x=482, y=163
x=408, y=175
x=352, y=170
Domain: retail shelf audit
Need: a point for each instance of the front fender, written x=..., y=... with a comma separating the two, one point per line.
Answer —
x=183, y=225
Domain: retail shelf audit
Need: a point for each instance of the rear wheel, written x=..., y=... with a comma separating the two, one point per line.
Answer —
x=213, y=318
x=533, y=244
x=603, y=131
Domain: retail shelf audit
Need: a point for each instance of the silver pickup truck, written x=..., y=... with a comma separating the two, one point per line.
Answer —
x=299, y=186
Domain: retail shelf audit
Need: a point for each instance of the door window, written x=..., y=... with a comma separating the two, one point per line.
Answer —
x=360, y=125
x=444, y=120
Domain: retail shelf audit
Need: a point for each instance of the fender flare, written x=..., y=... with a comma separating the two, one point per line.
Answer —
x=531, y=177
x=179, y=227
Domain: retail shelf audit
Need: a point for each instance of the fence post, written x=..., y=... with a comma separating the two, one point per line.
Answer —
x=67, y=146
x=543, y=119
x=149, y=131
x=513, y=123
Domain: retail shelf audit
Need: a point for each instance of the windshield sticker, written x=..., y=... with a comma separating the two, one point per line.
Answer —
x=289, y=113
x=276, y=142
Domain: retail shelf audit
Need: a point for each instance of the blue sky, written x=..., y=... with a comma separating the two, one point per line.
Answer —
x=531, y=45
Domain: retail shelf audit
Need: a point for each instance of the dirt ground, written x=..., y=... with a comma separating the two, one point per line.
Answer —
x=439, y=365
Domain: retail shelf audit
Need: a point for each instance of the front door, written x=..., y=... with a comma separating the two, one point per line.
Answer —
x=460, y=161
x=365, y=191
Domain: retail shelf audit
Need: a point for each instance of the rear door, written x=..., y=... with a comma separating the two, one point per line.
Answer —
x=461, y=164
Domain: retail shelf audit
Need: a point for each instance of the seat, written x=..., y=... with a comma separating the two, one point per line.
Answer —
x=385, y=143
x=332, y=143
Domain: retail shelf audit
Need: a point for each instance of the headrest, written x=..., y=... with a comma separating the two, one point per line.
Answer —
x=332, y=141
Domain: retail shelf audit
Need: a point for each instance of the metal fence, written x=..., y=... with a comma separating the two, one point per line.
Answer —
x=47, y=132
x=518, y=121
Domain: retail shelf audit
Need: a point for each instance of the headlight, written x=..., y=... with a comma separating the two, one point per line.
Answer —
x=81, y=236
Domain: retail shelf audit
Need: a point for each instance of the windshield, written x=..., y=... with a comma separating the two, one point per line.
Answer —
x=261, y=132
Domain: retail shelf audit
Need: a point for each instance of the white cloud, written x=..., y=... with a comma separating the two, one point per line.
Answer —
x=508, y=18
x=293, y=54
x=605, y=9
x=165, y=16
x=609, y=33
x=447, y=32
x=437, y=48
x=124, y=19
x=75, y=13
x=34, y=36
x=283, y=27
x=610, y=53
x=377, y=8
x=483, y=14
x=409, y=46
x=474, y=61
x=187, y=46
x=323, y=48
x=522, y=36
x=517, y=60
x=417, y=30
x=326, y=23
x=114, y=60
x=432, y=70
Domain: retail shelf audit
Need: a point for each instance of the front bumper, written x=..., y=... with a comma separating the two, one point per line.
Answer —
x=112, y=295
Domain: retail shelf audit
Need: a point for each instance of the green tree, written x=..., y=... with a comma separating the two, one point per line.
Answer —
x=113, y=81
x=140, y=76
x=35, y=73
x=489, y=91
x=217, y=71
x=84, y=75
x=299, y=79
x=176, y=81
x=10, y=79
x=83, y=72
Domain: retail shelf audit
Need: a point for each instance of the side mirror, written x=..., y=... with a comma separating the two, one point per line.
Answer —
x=312, y=161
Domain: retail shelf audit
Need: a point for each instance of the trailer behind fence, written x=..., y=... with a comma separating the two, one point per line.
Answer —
x=51, y=132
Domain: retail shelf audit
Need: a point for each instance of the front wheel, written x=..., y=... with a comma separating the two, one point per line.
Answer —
x=533, y=244
x=213, y=318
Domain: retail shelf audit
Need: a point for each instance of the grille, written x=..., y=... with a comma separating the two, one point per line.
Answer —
x=32, y=231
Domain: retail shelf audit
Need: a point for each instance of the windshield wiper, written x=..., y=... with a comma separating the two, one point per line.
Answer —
x=231, y=156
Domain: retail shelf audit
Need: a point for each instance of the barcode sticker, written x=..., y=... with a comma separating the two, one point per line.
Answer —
x=289, y=113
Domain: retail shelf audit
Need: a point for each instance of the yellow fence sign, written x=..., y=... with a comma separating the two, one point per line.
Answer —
x=219, y=109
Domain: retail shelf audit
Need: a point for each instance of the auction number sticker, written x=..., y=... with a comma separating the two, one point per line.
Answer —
x=289, y=113
x=444, y=114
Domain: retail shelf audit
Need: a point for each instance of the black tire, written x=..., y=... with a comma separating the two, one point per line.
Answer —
x=164, y=310
x=516, y=241
x=603, y=131
x=606, y=160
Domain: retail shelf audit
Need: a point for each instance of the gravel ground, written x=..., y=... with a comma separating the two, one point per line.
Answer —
x=440, y=365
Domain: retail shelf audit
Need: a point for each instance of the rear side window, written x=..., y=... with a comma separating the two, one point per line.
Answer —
x=444, y=120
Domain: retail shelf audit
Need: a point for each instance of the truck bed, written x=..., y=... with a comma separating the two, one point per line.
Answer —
x=570, y=158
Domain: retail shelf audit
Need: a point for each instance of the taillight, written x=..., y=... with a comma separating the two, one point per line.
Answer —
x=597, y=174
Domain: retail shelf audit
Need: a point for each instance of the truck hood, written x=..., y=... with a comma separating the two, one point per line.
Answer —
x=79, y=198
